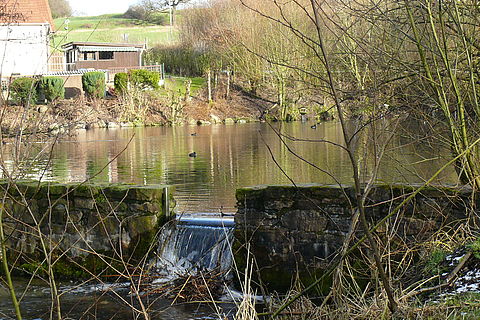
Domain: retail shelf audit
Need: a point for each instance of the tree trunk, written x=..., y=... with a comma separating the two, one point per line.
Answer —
x=188, y=86
x=227, y=94
x=209, y=84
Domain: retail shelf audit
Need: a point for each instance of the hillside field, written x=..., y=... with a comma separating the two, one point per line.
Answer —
x=111, y=28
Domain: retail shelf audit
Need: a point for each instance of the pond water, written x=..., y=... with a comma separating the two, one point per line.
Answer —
x=228, y=157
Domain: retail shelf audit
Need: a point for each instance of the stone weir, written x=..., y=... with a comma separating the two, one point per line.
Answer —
x=83, y=228
x=302, y=228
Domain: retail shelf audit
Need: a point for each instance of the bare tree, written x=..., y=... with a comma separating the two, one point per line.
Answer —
x=60, y=8
x=164, y=5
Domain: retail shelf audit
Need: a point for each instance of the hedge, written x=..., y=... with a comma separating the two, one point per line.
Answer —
x=52, y=88
x=144, y=78
x=121, y=82
x=24, y=91
x=94, y=84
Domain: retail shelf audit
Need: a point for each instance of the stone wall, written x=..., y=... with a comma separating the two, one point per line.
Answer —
x=83, y=224
x=301, y=229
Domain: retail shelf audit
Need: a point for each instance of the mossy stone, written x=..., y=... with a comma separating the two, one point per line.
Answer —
x=96, y=213
x=143, y=230
x=87, y=190
x=54, y=190
x=84, y=203
x=250, y=197
x=59, y=211
x=142, y=224
x=149, y=193
x=134, y=192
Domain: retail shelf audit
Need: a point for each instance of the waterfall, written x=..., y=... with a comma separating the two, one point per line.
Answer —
x=195, y=244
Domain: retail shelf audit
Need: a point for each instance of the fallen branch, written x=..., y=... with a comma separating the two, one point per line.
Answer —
x=448, y=283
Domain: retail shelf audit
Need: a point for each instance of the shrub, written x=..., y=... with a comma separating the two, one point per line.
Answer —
x=182, y=60
x=52, y=88
x=159, y=18
x=121, y=82
x=136, y=12
x=60, y=8
x=24, y=91
x=94, y=84
x=475, y=248
x=140, y=12
x=144, y=78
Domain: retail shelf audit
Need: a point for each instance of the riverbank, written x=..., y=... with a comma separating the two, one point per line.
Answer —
x=146, y=110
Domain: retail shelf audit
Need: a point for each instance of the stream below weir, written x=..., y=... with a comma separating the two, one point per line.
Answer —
x=100, y=302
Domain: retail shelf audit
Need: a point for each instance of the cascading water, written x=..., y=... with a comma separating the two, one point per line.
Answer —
x=185, y=247
x=195, y=244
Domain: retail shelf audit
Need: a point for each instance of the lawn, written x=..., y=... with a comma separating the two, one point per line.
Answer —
x=178, y=84
x=111, y=28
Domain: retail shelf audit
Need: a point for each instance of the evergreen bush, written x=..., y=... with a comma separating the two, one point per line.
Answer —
x=144, y=78
x=94, y=84
x=121, y=82
x=24, y=91
x=52, y=88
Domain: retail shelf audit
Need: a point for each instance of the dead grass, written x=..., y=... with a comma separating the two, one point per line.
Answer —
x=417, y=289
x=235, y=107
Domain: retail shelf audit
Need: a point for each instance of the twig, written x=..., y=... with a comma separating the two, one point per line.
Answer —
x=449, y=281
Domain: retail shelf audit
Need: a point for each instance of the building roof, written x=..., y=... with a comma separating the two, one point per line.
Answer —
x=25, y=11
x=99, y=46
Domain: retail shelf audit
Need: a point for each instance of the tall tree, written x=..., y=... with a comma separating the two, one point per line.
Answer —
x=60, y=8
x=159, y=5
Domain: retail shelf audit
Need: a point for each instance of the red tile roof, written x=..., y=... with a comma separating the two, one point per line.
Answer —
x=25, y=11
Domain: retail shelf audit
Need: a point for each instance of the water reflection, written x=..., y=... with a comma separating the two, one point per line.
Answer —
x=228, y=157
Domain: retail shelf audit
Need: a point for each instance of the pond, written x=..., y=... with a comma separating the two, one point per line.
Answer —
x=229, y=157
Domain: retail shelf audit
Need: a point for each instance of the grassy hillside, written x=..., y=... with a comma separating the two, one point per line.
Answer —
x=111, y=28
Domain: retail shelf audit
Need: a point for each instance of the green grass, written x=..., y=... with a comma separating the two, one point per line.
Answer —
x=464, y=306
x=433, y=265
x=178, y=85
x=111, y=28
x=115, y=20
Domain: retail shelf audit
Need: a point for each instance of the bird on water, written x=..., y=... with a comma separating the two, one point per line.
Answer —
x=192, y=154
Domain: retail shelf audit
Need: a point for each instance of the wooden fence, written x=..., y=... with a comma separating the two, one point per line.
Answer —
x=56, y=62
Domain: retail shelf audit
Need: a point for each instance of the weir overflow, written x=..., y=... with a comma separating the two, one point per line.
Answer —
x=94, y=227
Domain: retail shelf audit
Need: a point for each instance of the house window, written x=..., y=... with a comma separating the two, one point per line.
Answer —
x=105, y=55
x=87, y=56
